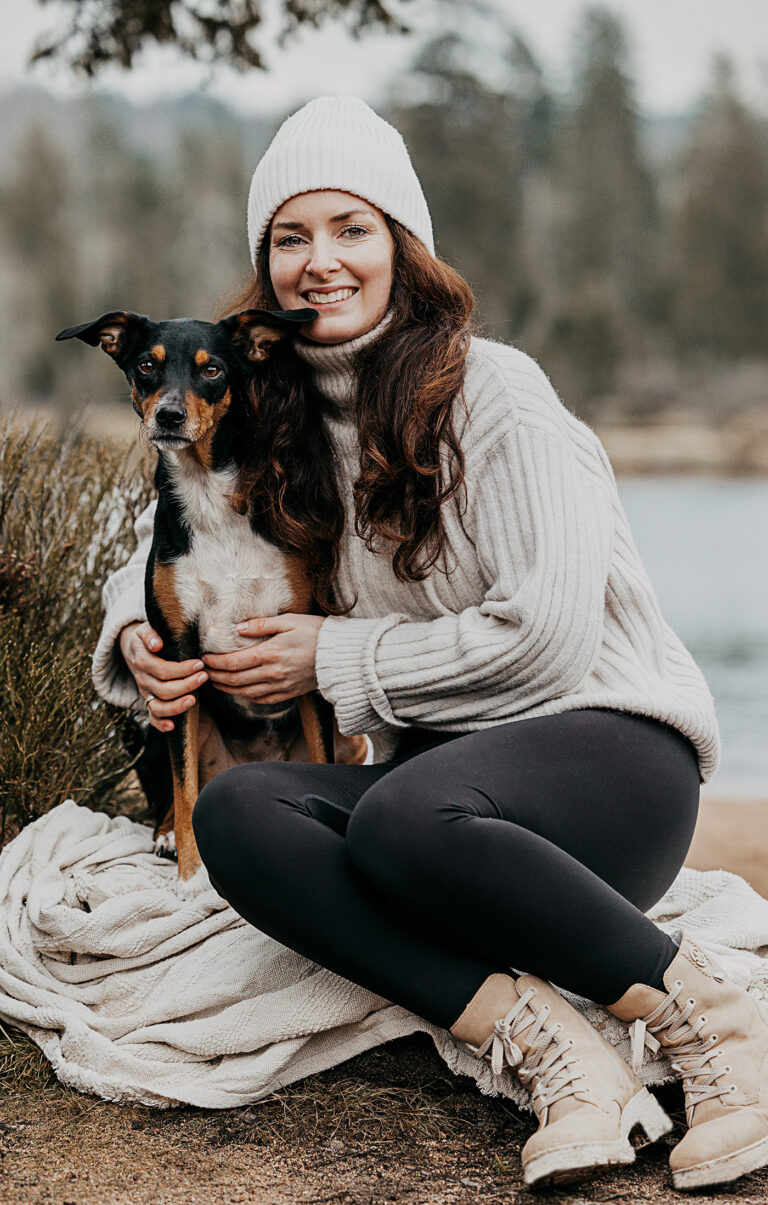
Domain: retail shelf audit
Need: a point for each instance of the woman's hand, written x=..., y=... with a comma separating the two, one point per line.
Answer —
x=279, y=666
x=168, y=681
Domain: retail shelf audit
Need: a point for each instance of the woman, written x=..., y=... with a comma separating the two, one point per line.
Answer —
x=493, y=627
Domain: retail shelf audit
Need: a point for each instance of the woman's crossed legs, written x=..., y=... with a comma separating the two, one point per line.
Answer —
x=536, y=844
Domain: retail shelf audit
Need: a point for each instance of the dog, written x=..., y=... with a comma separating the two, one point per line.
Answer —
x=209, y=567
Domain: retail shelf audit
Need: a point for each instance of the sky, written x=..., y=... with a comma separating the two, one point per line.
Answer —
x=672, y=43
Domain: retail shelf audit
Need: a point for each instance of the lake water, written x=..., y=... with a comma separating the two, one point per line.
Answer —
x=704, y=544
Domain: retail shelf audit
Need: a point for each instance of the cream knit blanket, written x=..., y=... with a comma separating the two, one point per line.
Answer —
x=137, y=994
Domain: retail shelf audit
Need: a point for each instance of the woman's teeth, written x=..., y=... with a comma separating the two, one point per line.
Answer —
x=327, y=298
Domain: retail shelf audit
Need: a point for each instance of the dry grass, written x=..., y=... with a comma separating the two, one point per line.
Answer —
x=66, y=516
x=391, y=1125
x=392, y=1103
x=22, y=1063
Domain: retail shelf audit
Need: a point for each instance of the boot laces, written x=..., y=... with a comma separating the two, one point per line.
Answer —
x=693, y=1054
x=554, y=1075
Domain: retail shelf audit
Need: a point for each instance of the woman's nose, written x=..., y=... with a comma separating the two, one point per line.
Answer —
x=323, y=258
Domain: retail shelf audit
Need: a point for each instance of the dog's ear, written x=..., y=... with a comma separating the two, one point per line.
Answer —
x=254, y=331
x=114, y=331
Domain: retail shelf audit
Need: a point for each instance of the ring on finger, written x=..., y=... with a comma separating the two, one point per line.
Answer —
x=149, y=699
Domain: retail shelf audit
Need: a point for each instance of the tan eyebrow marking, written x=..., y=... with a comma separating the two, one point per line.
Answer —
x=202, y=357
x=157, y=352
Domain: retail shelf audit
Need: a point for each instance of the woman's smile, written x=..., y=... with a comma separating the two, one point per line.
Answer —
x=329, y=297
x=333, y=251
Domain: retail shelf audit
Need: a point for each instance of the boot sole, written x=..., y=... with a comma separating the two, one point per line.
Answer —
x=578, y=1159
x=727, y=1167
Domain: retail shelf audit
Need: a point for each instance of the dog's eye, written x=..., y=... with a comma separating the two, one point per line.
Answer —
x=146, y=366
x=211, y=372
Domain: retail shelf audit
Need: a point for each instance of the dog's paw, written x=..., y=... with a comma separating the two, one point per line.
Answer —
x=196, y=884
x=165, y=845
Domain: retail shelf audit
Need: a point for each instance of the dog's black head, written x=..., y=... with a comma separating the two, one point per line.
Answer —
x=182, y=372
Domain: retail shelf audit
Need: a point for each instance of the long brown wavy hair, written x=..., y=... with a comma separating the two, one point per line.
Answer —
x=411, y=462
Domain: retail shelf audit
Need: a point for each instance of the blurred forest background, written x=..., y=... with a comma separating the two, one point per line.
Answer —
x=628, y=254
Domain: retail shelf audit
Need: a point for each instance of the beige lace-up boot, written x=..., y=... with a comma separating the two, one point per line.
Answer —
x=716, y=1035
x=585, y=1096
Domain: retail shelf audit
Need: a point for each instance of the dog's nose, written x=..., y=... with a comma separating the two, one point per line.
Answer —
x=170, y=415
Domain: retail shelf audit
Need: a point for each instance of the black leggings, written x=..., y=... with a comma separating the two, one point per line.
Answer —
x=536, y=844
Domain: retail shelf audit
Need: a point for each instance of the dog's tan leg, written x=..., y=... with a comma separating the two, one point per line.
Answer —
x=184, y=769
x=321, y=732
x=311, y=722
x=348, y=750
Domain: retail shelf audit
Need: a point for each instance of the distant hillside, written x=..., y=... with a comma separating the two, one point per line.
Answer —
x=155, y=128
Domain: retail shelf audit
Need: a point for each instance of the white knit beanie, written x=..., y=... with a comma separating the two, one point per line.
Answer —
x=338, y=142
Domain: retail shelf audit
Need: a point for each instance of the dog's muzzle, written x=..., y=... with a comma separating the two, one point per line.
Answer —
x=167, y=427
x=170, y=416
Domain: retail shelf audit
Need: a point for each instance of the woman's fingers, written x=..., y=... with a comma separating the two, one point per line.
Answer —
x=167, y=671
x=166, y=698
x=250, y=689
x=250, y=657
x=135, y=640
x=274, y=669
x=145, y=658
x=245, y=677
x=164, y=685
x=266, y=625
x=149, y=637
x=173, y=688
x=279, y=666
x=160, y=713
x=159, y=710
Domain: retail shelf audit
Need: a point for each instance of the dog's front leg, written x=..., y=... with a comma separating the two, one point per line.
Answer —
x=182, y=744
x=348, y=750
x=317, y=733
x=321, y=732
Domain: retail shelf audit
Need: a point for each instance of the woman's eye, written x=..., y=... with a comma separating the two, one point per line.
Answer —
x=288, y=240
x=355, y=231
x=146, y=367
x=211, y=372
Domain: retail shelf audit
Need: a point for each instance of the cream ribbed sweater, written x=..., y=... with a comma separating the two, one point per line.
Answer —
x=540, y=605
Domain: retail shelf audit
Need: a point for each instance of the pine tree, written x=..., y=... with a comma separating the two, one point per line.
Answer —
x=471, y=145
x=41, y=263
x=128, y=216
x=535, y=104
x=606, y=186
x=211, y=182
x=721, y=228
x=604, y=216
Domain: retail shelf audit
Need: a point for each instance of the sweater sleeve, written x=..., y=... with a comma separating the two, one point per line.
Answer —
x=541, y=521
x=123, y=601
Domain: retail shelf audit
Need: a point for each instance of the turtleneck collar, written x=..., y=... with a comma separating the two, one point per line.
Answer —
x=333, y=364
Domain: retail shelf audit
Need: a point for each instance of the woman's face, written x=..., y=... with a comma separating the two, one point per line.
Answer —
x=332, y=251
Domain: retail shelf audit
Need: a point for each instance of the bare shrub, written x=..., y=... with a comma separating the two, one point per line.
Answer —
x=66, y=515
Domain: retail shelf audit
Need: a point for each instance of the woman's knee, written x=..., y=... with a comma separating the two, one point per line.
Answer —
x=236, y=801
x=392, y=836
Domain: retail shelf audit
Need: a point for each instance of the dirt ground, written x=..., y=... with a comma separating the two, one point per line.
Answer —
x=733, y=835
x=393, y=1125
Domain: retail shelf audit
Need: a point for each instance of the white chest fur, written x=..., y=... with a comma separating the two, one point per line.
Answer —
x=229, y=573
